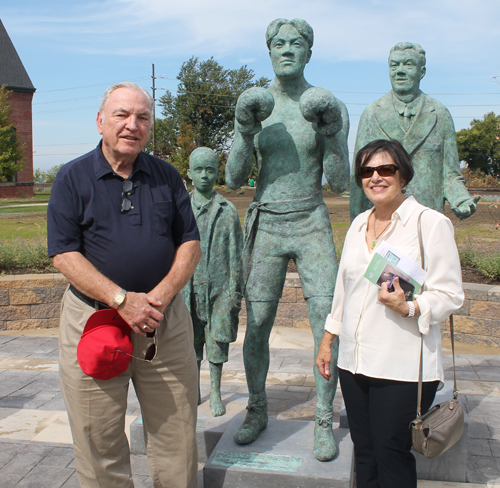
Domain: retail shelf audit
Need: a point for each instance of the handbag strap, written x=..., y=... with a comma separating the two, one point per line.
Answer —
x=452, y=337
x=420, y=369
x=421, y=247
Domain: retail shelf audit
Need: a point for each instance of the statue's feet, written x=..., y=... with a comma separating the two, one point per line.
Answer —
x=255, y=422
x=325, y=447
x=216, y=405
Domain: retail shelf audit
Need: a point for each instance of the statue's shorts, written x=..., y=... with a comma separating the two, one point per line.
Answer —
x=217, y=352
x=303, y=236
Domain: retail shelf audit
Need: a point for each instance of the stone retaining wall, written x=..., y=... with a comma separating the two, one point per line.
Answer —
x=32, y=301
x=478, y=320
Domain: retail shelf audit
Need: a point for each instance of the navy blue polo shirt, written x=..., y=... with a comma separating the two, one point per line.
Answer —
x=135, y=249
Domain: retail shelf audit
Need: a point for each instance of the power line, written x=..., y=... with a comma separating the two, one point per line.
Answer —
x=337, y=91
x=67, y=110
x=73, y=144
x=489, y=105
x=432, y=94
x=453, y=116
x=353, y=93
x=68, y=100
x=90, y=86
x=68, y=154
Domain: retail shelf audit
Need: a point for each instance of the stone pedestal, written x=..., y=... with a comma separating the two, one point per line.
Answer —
x=281, y=457
x=209, y=429
x=450, y=466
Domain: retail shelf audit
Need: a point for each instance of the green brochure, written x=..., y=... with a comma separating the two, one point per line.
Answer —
x=388, y=262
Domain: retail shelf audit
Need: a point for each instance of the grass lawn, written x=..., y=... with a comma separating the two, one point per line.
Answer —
x=37, y=198
x=24, y=226
x=38, y=209
x=479, y=233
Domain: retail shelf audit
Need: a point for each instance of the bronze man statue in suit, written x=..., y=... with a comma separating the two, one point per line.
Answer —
x=426, y=130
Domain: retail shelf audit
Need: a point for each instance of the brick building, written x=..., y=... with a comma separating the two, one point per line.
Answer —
x=13, y=74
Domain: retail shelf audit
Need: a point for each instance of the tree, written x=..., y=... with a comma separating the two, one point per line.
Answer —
x=11, y=148
x=166, y=140
x=48, y=176
x=186, y=141
x=205, y=100
x=479, y=146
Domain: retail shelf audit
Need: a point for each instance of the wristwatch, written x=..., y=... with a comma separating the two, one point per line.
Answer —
x=411, y=310
x=119, y=298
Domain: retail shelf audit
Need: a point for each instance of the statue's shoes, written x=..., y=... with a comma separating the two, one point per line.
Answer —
x=255, y=422
x=325, y=447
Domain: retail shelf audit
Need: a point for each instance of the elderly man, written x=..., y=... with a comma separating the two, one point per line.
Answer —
x=121, y=229
x=297, y=132
x=424, y=127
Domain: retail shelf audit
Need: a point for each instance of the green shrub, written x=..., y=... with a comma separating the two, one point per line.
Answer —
x=487, y=264
x=25, y=253
x=326, y=187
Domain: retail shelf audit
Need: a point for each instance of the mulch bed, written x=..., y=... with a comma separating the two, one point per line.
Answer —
x=474, y=276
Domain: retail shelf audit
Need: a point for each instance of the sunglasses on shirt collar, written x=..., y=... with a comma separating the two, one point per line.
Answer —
x=128, y=189
x=382, y=170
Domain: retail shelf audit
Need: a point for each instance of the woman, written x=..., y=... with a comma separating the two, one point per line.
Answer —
x=380, y=332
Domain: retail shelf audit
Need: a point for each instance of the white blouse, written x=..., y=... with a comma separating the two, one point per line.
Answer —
x=374, y=340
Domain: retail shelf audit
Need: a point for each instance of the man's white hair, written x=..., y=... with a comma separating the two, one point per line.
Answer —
x=125, y=84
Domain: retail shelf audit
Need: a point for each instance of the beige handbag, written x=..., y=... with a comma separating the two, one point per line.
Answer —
x=443, y=425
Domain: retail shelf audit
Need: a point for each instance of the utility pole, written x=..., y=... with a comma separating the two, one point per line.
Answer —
x=154, y=115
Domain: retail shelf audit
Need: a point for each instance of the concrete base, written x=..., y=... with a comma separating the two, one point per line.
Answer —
x=450, y=466
x=281, y=457
x=209, y=429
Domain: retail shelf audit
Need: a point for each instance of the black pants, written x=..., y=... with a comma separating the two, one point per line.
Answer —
x=379, y=413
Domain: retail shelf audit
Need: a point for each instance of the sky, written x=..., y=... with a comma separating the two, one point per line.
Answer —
x=73, y=51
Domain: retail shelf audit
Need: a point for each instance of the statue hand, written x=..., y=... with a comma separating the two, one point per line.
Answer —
x=253, y=106
x=320, y=107
x=467, y=208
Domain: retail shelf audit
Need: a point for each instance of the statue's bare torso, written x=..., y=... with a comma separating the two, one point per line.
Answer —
x=289, y=154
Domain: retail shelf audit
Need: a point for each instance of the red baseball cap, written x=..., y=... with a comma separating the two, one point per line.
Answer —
x=105, y=348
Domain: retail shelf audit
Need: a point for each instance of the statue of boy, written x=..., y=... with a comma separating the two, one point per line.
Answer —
x=426, y=130
x=297, y=133
x=213, y=295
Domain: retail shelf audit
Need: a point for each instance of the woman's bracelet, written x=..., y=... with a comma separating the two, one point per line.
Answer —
x=411, y=310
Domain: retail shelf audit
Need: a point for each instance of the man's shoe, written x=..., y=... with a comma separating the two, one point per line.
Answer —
x=255, y=422
x=325, y=447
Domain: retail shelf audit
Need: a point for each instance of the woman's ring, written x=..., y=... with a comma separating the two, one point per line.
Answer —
x=144, y=327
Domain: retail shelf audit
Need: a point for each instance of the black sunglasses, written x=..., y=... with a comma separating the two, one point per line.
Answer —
x=382, y=170
x=150, y=351
x=128, y=189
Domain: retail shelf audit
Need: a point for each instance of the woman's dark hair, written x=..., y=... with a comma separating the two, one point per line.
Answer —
x=394, y=149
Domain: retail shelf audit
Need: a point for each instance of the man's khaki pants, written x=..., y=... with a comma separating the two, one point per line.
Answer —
x=167, y=390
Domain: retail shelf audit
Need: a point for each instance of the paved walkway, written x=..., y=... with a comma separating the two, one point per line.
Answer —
x=35, y=441
x=24, y=205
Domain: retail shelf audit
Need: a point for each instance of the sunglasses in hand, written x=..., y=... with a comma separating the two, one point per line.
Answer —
x=150, y=351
